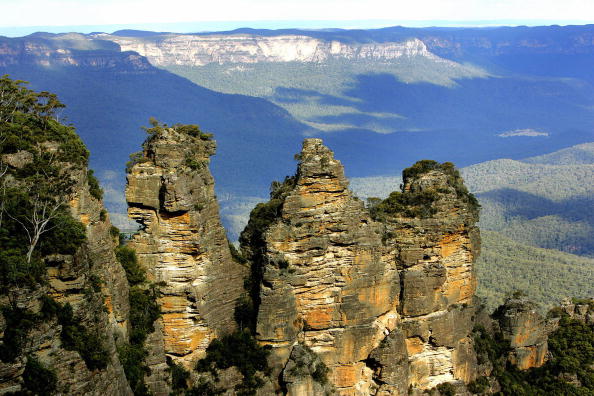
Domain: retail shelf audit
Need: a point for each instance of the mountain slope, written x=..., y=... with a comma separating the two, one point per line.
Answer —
x=546, y=275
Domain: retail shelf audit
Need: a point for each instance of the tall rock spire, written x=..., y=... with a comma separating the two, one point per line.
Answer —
x=326, y=288
x=183, y=247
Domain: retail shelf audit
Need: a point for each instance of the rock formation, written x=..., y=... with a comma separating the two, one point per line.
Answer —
x=432, y=237
x=183, y=247
x=579, y=309
x=526, y=330
x=385, y=304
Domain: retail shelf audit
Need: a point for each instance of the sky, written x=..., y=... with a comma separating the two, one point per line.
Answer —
x=18, y=16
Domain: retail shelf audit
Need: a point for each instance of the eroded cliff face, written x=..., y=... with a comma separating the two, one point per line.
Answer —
x=197, y=50
x=94, y=284
x=325, y=283
x=183, y=247
x=435, y=250
x=386, y=305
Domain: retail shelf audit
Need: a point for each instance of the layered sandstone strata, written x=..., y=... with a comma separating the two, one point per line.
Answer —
x=183, y=247
x=434, y=241
x=386, y=304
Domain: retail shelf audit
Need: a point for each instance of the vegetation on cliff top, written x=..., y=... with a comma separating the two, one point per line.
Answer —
x=418, y=202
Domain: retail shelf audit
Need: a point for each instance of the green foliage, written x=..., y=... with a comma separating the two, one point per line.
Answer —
x=192, y=163
x=34, y=218
x=18, y=323
x=410, y=204
x=547, y=276
x=127, y=258
x=144, y=310
x=320, y=374
x=114, y=231
x=179, y=376
x=239, y=350
x=94, y=189
x=235, y=255
x=15, y=270
x=65, y=236
x=75, y=337
x=95, y=282
x=135, y=158
x=28, y=119
x=446, y=389
x=419, y=203
x=132, y=360
x=480, y=386
x=245, y=313
x=39, y=379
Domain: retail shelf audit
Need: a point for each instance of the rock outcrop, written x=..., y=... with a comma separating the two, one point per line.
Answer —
x=526, y=330
x=579, y=309
x=386, y=304
x=183, y=247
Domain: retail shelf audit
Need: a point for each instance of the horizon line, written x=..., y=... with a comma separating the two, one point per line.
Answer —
x=214, y=26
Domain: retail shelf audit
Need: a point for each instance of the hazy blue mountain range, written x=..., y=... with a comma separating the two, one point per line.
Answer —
x=461, y=95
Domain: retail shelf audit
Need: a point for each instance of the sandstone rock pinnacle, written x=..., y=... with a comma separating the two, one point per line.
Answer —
x=183, y=246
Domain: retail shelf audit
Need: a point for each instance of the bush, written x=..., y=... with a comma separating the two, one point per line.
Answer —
x=18, y=323
x=144, y=310
x=239, y=350
x=75, y=337
x=446, y=389
x=94, y=189
x=127, y=258
x=420, y=203
x=37, y=378
x=179, y=376
x=132, y=359
x=480, y=386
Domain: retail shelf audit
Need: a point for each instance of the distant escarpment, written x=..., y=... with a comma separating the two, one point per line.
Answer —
x=183, y=247
x=73, y=50
x=199, y=50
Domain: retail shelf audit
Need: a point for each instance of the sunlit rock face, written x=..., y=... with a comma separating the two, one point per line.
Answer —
x=194, y=50
x=386, y=305
x=434, y=253
x=526, y=330
x=326, y=284
x=183, y=246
